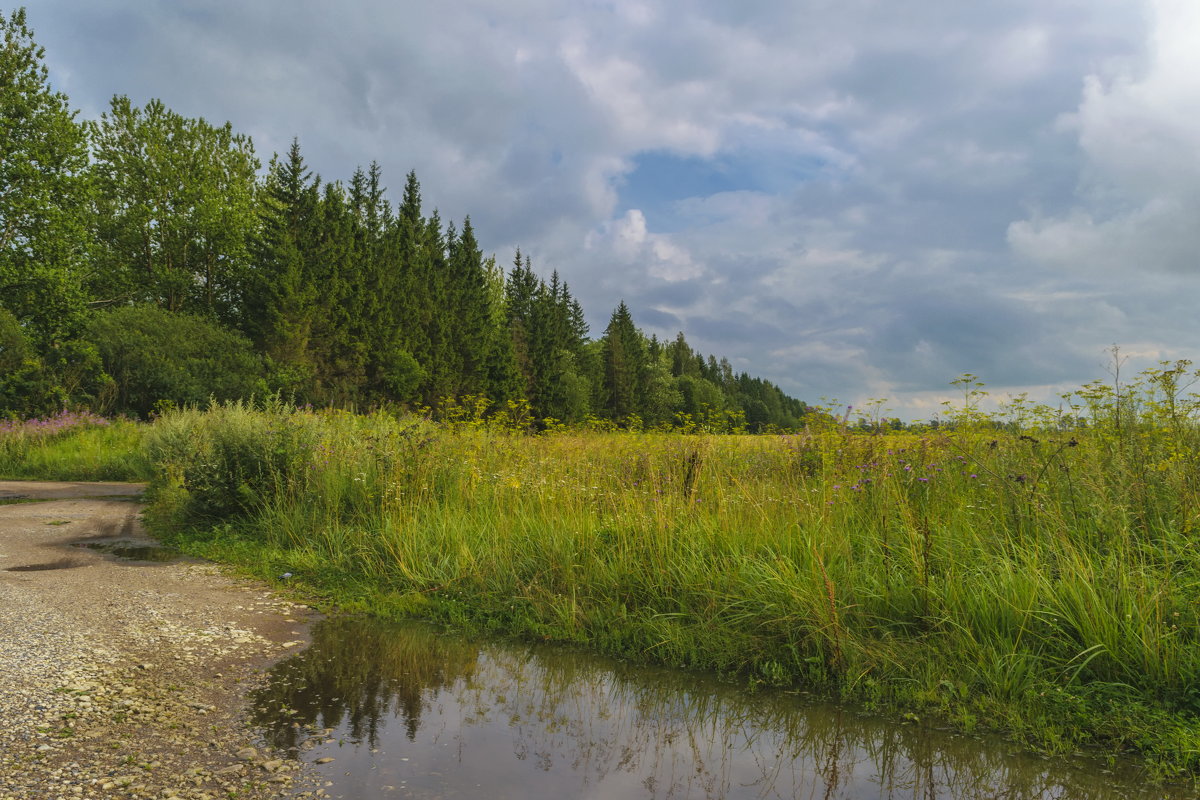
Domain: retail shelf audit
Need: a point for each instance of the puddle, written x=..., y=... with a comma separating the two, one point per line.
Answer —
x=133, y=551
x=12, y=499
x=62, y=563
x=408, y=711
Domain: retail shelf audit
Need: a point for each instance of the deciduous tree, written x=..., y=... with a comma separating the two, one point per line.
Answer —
x=44, y=239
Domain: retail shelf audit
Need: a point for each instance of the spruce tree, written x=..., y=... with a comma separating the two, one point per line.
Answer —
x=501, y=381
x=520, y=294
x=467, y=313
x=340, y=348
x=624, y=365
x=280, y=301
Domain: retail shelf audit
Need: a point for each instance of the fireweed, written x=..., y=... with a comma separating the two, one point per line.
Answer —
x=71, y=446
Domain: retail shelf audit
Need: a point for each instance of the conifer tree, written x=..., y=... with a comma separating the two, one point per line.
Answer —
x=440, y=358
x=502, y=381
x=406, y=356
x=467, y=310
x=280, y=300
x=624, y=365
x=520, y=293
x=340, y=350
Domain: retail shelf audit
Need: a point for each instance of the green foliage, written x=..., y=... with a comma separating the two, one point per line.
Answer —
x=400, y=374
x=27, y=389
x=159, y=358
x=623, y=354
x=279, y=296
x=228, y=460
x=175, y=208
x=72, y=447
x=43, y=158
x=349, y=300
x=68, y=375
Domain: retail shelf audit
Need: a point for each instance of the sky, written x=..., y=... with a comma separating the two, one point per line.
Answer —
x=854, y=199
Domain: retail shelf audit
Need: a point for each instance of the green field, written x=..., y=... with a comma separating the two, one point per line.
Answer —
x=1027, y=579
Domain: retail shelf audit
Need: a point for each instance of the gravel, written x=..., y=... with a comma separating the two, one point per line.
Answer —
x=124, y=679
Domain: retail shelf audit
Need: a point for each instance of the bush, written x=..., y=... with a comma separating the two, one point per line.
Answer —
x=26, y=387
x=160, y=359
x=228, y=460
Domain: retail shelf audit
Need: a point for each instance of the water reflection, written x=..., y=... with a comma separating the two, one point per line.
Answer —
x=410, y=712
x=133, y=551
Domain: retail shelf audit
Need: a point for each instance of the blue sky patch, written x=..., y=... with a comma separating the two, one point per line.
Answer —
x=661, y=179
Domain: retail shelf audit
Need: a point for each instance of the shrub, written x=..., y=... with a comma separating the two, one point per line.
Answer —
x=159, y=358
x=230, y=459
x=26, y=387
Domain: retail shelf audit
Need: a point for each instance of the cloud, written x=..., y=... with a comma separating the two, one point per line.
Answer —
x=628, y=239
x=854, y=199
x=1139, y=195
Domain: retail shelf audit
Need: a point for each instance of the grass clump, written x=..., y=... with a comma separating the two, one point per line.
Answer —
x=1040, y=578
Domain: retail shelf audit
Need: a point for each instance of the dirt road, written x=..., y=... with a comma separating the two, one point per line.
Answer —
x=127, y=678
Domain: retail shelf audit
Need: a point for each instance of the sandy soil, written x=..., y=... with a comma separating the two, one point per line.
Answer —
x=128, y=679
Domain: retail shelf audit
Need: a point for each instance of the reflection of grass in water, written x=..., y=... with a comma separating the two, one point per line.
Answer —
x=20, y=499
x=132, y=551
x=605, y=717
x=358, y=674
x=685, y=734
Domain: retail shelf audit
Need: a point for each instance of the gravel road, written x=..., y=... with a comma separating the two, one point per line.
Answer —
x=127, y=679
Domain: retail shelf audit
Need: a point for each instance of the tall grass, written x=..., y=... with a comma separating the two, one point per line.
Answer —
x=72, y=446
x=1039, y=579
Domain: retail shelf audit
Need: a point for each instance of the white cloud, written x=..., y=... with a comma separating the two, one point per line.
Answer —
x=1019, y=55
x=656, y=254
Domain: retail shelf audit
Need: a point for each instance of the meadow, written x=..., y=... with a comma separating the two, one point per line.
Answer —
x=1031, y=571
x=72, y=446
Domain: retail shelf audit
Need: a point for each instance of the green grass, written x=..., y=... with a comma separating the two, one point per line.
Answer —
x=81, y=452
x=1042, y=583
x=1039, y=578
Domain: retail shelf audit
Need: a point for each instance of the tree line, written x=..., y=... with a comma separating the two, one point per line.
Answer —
x=146, y=259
